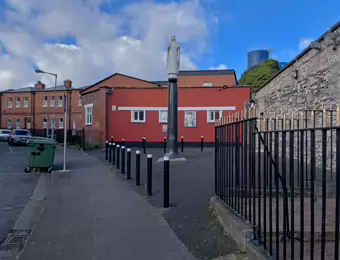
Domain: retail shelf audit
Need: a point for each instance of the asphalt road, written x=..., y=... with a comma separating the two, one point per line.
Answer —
x=16, y=186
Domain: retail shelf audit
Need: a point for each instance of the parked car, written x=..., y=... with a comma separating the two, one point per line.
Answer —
x=19, y=136
x=4, y=134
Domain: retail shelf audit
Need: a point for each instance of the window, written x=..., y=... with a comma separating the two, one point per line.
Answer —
x=207, y=84
x=9, y=123
x=213, y=115
x=44, y=123
x=17, y=102
x=138, y=116
x=17, y=123
x=53, y=123
x=25, y=101
x=61, y=122
x=52, y=101
x=60, y=101
x=88, y=114
x=45, y=101
x=163, y=116
x=9, y=102
x=80, y=101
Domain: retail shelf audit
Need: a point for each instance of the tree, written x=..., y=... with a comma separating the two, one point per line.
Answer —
x=260, y=74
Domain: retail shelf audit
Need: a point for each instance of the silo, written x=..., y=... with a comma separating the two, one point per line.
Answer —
x=257, y=57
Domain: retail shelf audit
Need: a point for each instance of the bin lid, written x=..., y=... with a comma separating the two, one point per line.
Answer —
x=41, y=140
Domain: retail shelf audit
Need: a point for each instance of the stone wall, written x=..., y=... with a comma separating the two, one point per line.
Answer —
x=312, y=78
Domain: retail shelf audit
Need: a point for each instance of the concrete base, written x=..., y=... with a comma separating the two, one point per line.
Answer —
x=173, y=158
x=237, y=228
x=64, y=170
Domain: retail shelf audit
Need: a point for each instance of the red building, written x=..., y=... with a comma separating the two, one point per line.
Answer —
x=129, y=108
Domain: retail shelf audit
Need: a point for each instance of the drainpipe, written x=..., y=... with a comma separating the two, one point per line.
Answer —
x=69, y=110
x=33, y=111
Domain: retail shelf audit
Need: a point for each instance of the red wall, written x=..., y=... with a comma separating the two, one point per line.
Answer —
x=120, y=125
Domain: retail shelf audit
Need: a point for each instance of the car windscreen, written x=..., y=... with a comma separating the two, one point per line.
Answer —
x=20, y=132
x=5, y=132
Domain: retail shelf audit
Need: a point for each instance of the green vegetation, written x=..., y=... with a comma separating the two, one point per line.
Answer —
x=260, y=74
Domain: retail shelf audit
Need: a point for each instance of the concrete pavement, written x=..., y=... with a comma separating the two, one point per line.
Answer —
x=91, y=214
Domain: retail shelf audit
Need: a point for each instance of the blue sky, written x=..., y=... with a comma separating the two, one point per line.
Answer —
x=87, y=40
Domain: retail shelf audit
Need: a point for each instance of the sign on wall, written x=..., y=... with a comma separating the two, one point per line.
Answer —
x=190, y=119
x=165, y=128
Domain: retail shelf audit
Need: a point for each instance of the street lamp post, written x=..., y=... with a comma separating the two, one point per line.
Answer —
x=55, y=93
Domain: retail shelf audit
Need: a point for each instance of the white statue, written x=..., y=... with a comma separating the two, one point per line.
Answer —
x=173, y=58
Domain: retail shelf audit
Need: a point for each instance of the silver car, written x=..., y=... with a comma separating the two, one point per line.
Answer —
x=4, y=134
x=19, y=136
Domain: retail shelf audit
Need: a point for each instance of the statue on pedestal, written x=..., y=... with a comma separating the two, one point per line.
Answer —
x=173, y=58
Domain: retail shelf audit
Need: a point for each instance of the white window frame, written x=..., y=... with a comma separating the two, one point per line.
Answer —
x=17, y=123
x=25, y=101
x=52, y=101
x=88, y=114
x=9, y=102
x=61, y=122
x=44, y=125
x=80, y=101
x=60, y=101
x=53, y=123
x=17, y=102
x=133, y=120
x=9, y=123
x=45, y=101
x=160, y=118
x=214, y=120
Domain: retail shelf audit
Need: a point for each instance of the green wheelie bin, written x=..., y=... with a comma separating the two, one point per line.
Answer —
x=41, y=153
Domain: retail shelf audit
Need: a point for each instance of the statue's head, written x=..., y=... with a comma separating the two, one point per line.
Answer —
x=173, y=38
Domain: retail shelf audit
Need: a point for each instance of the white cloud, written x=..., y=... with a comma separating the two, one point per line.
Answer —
x=304, y=43
x=131, y=40
x=219, y=67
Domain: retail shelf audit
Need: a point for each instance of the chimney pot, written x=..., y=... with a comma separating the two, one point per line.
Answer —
x=67, y=83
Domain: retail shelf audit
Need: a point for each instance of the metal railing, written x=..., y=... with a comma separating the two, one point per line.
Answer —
x=282, y=175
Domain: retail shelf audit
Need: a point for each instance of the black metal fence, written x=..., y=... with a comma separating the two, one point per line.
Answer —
x=74, y=137
x=282, y=175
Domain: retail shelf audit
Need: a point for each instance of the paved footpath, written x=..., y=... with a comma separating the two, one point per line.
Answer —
x=92, y=214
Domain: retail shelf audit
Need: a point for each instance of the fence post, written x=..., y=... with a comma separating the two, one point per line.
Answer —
x=149, y=175
x=166, y=195
x=118, y=155
x=106, y=150
x=164, y=142
x=137, y=168
x=202, y=141
x=128, y=163
x=113, y=153
x=123, y=160
x=182, y=143
x=110, y=152
x=123, y=142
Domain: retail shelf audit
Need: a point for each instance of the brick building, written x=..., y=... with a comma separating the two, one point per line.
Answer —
x=131, y=108
x=33, y=107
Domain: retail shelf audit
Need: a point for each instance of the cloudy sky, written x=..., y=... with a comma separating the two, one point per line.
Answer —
x=86, y=40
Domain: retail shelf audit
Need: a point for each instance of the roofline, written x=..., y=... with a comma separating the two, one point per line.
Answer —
x=13, y=91
x=300, y=55
x=198, y=87
x=114, y=74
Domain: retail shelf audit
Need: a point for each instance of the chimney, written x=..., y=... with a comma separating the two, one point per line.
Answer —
x=67, y=83
x=39, y=85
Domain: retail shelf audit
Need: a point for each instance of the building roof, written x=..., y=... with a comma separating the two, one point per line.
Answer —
x=300, y=55
x=33, y=89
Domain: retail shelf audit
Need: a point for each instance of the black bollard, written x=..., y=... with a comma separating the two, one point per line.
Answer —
x=137, y=168
x=202, y=143
x=106, y=150
x=123, y=142
x=149, y=175
x=123, y=160
x=118, y=155
x=110, y=152
x=128, y=163
x=166, y=192
x=111, y=139
x=144, y=145
x=182, y=144
x=114, y=154
x=164, y=142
